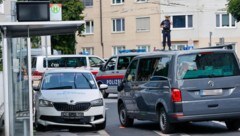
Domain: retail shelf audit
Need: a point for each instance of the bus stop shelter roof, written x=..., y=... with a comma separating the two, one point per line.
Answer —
x=25, y=29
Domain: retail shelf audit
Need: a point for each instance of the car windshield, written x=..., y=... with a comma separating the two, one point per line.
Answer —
x=68, y=81
x=207, y=65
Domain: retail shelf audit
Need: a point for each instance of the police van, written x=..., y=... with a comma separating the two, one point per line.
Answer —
x=112, y=72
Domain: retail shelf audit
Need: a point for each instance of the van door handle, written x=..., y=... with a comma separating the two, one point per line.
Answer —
x=212, y=105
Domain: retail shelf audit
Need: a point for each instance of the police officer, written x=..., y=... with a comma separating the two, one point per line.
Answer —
x=165, y=24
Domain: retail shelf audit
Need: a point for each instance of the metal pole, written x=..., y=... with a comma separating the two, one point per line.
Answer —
x=46, y=51
x=30, y=83
x=210, y=40
x=5, y=84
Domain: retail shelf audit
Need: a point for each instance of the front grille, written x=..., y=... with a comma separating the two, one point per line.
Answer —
x=59, y=119
x=76, y=107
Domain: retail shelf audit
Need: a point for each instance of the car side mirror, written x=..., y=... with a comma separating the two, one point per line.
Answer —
x=103, y=87
x=121, y=86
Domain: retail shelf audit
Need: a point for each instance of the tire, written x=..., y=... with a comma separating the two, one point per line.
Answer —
x=123, y=117
x=164, y=124
x=38, y=127
x=233, y=125
x=105, y=95
x=101, y=125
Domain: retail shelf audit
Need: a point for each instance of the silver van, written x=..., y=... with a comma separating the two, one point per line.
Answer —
x=181, y=86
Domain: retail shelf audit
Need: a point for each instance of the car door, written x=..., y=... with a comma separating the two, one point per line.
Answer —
x=129, y=87
x=107, y=74
x=152, y=85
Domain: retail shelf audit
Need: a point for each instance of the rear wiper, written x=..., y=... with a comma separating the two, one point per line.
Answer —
x=90, y=85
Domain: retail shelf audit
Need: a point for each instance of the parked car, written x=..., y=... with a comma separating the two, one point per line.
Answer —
x=181, y=86
x=112, y=72
x=86, y=62
x=69, y=97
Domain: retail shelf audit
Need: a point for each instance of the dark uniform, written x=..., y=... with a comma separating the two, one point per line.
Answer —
x=166, y=33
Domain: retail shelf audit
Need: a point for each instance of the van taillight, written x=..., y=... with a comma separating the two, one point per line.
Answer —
x=176, y=95
x=37, y=73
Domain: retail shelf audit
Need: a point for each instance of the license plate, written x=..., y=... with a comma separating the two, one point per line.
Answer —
x=212, y=92
x=72, y=114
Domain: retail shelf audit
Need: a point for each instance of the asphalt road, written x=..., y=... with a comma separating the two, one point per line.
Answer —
x=140, y=128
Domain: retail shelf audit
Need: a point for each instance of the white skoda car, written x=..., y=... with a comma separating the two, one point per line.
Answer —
x=69, y=97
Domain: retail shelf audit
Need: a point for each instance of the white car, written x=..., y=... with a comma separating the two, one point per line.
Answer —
x=69, y=97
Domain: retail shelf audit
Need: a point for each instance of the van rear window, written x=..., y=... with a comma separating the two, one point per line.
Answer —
x=65, y=62
x=207, y=65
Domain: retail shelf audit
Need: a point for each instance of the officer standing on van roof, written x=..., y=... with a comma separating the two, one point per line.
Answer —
x=165, y=24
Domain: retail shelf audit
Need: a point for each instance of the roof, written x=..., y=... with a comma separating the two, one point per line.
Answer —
x=64, y=55
x=177, y=52
x=66, y=70
x=21, y=29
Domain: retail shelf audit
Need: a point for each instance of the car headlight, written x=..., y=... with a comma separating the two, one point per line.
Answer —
x=98, y=102
x=45, y=103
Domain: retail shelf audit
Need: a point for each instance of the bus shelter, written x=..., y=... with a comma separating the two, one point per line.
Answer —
x=17, y=73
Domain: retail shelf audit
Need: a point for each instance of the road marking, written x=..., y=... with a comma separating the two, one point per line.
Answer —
x=103, y=133
x=161, y=134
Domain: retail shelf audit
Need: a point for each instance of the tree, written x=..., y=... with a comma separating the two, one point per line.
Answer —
x=233, y=8
x=71, y=10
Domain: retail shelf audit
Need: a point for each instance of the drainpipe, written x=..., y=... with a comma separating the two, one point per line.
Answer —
x=101, y=29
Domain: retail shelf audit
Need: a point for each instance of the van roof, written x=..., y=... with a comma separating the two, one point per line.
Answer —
x=177, y=52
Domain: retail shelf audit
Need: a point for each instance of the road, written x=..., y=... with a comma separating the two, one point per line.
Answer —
x=140, y=128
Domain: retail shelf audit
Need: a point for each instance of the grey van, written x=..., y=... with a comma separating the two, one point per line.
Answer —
x=181, y=86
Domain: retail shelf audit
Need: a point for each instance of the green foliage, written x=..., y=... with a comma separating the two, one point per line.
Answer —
x=35, y=40
x=71, y=10
x=1, y=62
x=234, y=9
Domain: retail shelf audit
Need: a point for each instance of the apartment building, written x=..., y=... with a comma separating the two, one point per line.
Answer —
x=194, y=20
x=133, y=24
x=122, y=24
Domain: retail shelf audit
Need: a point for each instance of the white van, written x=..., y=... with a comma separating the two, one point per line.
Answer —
x=86, y=62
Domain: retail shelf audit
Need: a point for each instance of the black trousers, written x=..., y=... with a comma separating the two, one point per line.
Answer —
x=166, y=37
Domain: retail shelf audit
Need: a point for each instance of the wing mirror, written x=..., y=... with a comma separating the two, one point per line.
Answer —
x=102, y=67
x=103, y=87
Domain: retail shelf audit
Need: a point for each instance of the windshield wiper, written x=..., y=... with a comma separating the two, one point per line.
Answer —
x=60, y=87
x=90, y=85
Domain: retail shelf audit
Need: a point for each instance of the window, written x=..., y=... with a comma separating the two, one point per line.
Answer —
x=141, y=1
x=58, y=62
x=131, y=71
x=117, y=48
x=146, y=68
x=87, y=3
x=143, y=24
x=111, y=64
x=123, y=62
x=88, y=50
x=118, y=25
x=161, y=67
x=182, y=21
x=225, y=20
x=115, y=2
x=207, y=65
x=146, y=47
x=89, y=27
x=95, y=61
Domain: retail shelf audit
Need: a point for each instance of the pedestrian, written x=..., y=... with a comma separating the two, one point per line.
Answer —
x=166, y=32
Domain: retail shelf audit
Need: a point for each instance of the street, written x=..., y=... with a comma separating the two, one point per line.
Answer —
x=140, y=128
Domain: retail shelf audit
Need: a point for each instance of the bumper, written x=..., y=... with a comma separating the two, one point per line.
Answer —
x=175, y=118
x=50, y=116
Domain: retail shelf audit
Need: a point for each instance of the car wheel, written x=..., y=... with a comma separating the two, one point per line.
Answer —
x=165, y=126
x=101, y=125
x=105, y=94
x=233, y=125
x=38, y=127
x=123, y=117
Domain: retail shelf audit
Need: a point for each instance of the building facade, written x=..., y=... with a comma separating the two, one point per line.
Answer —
x=132, y=24
x=135, y=24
